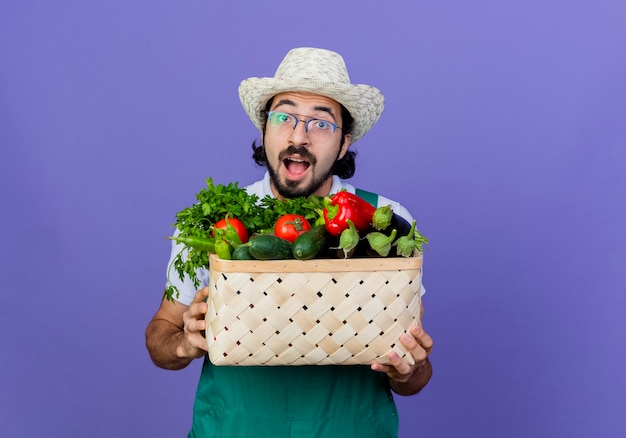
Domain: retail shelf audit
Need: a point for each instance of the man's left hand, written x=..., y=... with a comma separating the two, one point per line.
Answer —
x=406, y=379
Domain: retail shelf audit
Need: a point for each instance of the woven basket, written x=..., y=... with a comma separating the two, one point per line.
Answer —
x=315, y=312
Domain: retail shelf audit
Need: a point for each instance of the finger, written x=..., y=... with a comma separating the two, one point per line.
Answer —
x=380, y=368
x=195, y=338
x=399, y=365
x=200, y=324
x=192, y=324
x=198, y=306
x=201, y=295
x=198, y=310
x=386, y=369
x=409, y=341
x=423, y=338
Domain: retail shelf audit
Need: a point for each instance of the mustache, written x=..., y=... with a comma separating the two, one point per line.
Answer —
x=298, y=150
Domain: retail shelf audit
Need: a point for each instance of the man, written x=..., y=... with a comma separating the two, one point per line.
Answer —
x=308, y=114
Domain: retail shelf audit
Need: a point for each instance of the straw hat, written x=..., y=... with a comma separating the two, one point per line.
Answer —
x=316, y=71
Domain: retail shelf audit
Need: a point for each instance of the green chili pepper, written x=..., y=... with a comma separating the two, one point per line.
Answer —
x=206, y=244
x=223, y=249
x=232, y=235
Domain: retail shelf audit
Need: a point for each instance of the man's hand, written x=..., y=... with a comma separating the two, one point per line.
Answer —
x=404, y=378
x=194, y=343
x=175, y=335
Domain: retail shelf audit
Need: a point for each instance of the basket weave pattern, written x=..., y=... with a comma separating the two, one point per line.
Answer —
x=311, y=312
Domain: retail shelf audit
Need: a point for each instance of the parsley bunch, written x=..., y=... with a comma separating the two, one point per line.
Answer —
x=216, y=201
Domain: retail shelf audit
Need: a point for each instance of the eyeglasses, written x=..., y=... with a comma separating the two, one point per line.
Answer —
x=284, y=121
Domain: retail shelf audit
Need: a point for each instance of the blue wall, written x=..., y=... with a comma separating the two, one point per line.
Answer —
x=504, y=133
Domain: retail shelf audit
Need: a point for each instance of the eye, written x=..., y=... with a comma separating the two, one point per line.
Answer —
x=279, y=118
x=323, y=125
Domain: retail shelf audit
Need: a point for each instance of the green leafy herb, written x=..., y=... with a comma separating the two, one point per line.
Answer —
x=216, y=201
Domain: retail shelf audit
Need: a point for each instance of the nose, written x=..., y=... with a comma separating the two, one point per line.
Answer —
x=299, y=135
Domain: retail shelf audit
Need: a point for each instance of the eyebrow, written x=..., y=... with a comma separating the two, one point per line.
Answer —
x=317, y=108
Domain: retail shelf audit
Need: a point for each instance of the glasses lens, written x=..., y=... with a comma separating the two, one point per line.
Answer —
x=277, y=118
x=315, y=127
x=321, y=127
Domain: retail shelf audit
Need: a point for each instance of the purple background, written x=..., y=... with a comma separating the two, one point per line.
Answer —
x=504, y=133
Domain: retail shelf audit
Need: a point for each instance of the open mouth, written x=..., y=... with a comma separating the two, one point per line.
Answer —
x=297, y=161
x=296, y=167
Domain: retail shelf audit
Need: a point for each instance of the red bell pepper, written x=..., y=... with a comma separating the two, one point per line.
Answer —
x=343, y=206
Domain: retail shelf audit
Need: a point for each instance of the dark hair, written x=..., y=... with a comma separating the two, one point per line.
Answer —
x=343, y=168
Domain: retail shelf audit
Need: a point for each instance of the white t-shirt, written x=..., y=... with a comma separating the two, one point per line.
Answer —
x=260, y=188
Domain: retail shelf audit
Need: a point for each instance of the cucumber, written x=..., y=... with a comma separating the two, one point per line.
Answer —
x=310, y=243
x=269, y=247
x=242, y=252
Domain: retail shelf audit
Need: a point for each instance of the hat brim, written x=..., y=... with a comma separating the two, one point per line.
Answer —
x=364, y=102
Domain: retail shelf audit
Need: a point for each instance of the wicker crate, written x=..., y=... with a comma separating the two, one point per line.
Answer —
x=315, y=312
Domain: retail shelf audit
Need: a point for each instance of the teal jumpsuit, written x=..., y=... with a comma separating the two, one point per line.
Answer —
x=293, y=402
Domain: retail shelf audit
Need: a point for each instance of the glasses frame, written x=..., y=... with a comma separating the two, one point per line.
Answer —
x=298, y=120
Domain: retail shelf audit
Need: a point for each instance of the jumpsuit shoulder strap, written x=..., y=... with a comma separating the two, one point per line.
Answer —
x=370, y=197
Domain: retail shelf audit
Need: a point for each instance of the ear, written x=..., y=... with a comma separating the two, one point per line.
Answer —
x=345, y=146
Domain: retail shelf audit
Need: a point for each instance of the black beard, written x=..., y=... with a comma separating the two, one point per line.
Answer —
x=302, y=151
x=291, y=189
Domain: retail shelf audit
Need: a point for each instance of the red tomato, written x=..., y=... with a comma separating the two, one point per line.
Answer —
x=241, y=229
x=290, y=226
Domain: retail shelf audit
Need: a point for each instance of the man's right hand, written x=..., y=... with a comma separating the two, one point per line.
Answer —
x=194, y=342
x=175, y=335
